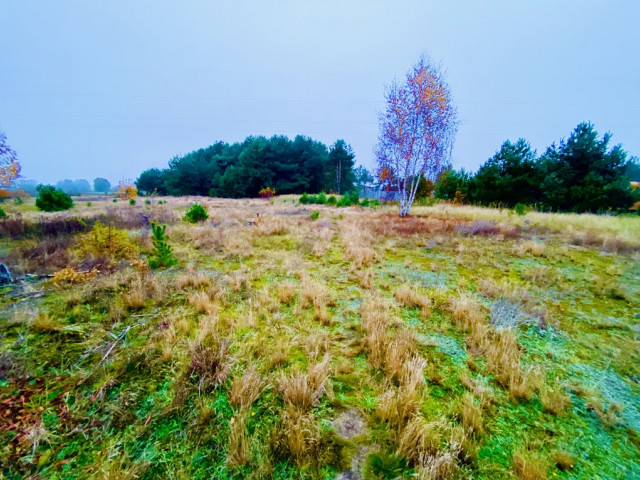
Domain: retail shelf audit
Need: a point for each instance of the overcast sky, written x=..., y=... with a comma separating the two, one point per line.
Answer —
x=111, y=87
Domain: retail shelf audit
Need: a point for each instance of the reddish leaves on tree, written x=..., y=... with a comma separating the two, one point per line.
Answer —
x=417, y=130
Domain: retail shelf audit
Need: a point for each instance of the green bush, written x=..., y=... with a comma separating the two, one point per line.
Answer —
x=365, y=202
x=520, y=208
x=321, y=198
x=147, y=202
x=2, y=213
x=332, y=200
x=114, y=200
x=132, y=201
x=304, y=199
x=314, y=215
x=162, y=254
x=197, y=213
x=52, y=199
x=18, y=201
x=88, y=204
x=344, y=201
x=354, y=197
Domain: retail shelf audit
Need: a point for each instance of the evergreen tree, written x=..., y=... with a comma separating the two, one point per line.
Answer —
x=511, y=176
x=340, y=175
x=582, y=174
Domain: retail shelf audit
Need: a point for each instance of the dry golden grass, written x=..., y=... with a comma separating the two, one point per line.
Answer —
x=278, y=353
x=467, y=312
x=365, y=278
x=412, y=376
x=287, y=292
x=396, y=406
x=471, y=414
x=202, y=303
x=375, y=312
x=211, y=360
x=529, y=466
x=239, y=280
x=443, y=466
x=239, y=453
x=205, y=238
x=246, y=389
x=192, y=279
x=303, y=390
x=357, y=241
x=564, y=461
x=537, y=249
x=45, y=323
x=555, y=400
x=419, y=441
x=298, y=435
x=409, y=296
x=136, y=294
x=316, y=343
x=397, y=352
x=603, y=228
x=237, y=245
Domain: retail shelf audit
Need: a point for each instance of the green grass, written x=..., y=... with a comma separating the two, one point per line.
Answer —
x=102, y=390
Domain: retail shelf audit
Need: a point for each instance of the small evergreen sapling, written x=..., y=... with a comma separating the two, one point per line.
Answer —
x=162, y=254
x=197, y=213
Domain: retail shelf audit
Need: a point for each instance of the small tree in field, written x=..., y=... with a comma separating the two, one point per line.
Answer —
x=417, y=130
x=9, y=166
x=127, y=190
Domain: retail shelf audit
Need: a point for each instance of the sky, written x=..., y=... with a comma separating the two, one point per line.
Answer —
x=112, y=87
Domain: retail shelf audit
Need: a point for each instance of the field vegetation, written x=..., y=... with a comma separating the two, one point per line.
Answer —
x=266, y=342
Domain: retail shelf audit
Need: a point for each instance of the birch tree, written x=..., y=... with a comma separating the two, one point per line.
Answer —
x=417, y=130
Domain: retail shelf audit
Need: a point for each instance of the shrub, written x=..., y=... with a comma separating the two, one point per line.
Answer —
x=70, y=275
x=197, y=213
x=332, y=200
x=520, y=208
x=88, y=204
x=107, y=241
x=162, y=254
x=132, y=201
x=2, y=213
x=267, y=193
x=18, y=201
x=147, y=202
x=114, y=200
x=344, y=201
x=304, y=199
x=127, y=190
x=321, y=198
x=314, y=215
x=52, y=199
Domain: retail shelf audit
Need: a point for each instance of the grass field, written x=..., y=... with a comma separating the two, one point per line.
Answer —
x=459, y=342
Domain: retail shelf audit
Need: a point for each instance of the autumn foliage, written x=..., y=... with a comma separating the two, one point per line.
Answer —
x=267, y=193
x=9, y=166
x=127, y=190
x=417, y=130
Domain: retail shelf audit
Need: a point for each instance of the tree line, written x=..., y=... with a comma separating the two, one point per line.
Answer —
x=242, y=169
x=581, y=174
